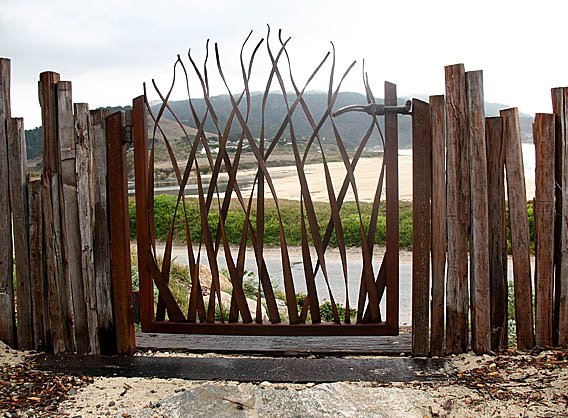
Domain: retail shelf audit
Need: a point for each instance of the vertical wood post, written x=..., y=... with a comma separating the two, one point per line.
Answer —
x=59, y=292
x=457, y=206
x=421, y=195
x=479, y=274
x=519, y=224
x=497, y=232
x=120, y=234
x=37, y=267
x=392, y=232
x=7, y=313
x=560, y=106
x=66, y=131
x=543, y=133
x=84, y=170
x=438, y=133
x=18, y=174
x=103, y=281
x=140, y=139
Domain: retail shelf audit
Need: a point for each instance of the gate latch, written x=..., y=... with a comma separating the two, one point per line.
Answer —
x=376, y=109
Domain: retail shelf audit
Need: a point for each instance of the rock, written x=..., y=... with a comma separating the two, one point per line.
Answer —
x=327, y=399
x=205, y=279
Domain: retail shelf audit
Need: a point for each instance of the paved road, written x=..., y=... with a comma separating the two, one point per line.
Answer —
x=335, y=273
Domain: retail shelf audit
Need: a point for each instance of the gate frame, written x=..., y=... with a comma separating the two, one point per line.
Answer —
x=389, y=327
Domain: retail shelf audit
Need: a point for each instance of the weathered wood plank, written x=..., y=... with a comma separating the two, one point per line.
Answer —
x=519, y=225
x=560, y=106
x=479, y=274
x=84, y=169
x=59, y=290
x=37, y=266
x=560, y=133
x=457, y=206
x=543, y=134
x=438, y=133
x=497, y=232
x=421, y=192
x=18, y=174
x=273, y=345
x=66, y=132
x=392, y=227
x=140, y=138
x=103, y=282
x=7, y=312
x=120, y=234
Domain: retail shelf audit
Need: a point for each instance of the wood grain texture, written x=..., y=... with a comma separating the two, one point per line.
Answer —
x=519, y=225
x=66, y=131
x=58, y=286
x=560, y=322
x=84, y=170
x=438, y=134
x=103, y=282
x=7, y=312
x=457, y=206
x=140, y=139
x=392, y=221
x=421, y=233
x=18, y=174
x=497, y=232
x=37, y=266
x=120, y=234
x=543, y=134
x=479, y=249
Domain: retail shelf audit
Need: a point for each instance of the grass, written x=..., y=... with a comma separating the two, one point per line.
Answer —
x=164, y=207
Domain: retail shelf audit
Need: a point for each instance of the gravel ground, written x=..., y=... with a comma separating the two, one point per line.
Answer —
x=508, y=385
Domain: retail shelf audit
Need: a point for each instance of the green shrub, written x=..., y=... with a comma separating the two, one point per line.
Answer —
x=326, y=312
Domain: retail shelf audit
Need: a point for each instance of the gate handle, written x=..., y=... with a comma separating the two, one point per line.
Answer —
x=376, y=109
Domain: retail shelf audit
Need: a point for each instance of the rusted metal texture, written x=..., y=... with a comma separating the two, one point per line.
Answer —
x=164, y=313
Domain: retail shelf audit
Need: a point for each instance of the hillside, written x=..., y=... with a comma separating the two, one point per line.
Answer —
x=352, y=126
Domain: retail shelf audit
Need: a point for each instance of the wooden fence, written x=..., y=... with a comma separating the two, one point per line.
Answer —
x=59, y=226
x=465, y=189
x=72, y=258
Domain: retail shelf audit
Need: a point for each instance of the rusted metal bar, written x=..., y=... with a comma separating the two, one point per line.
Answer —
x=120, y=234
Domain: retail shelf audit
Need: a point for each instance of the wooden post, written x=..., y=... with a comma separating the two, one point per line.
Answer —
x=560, y=106
x=66, y=131
x=59, y=292
x=497, y=232
x=438, y=133
x=7, y=314
x=103, y=281
x=84, y=169
x=457, y=206
x=479, y=274
x=37, y=267
x=421, y=192
x=392, y=231
x=543, y=133
x=120, y=234
x=140, y=138
x=519, y=224
x=18, y=174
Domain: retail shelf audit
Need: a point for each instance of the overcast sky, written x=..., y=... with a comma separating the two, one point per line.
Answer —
x=108, y=48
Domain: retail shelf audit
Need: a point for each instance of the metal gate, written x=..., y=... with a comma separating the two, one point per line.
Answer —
x=163, y=313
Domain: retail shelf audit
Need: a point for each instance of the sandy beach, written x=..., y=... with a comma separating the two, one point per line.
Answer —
x=367, y=172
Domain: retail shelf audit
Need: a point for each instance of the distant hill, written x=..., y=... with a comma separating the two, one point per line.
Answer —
x=352, y=125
